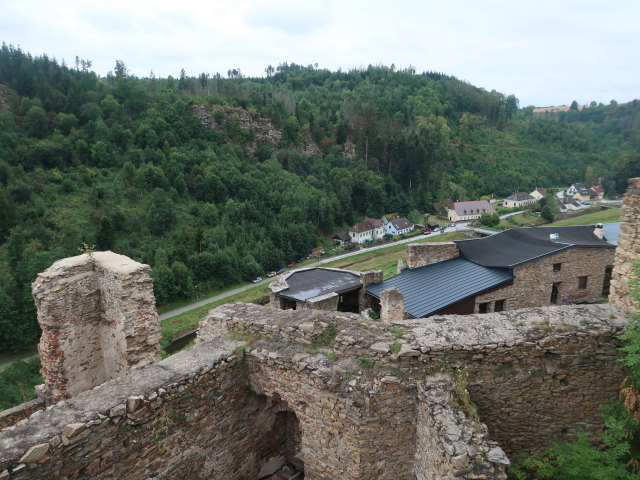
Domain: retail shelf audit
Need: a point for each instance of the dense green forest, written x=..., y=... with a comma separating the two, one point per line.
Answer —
x=124, y=163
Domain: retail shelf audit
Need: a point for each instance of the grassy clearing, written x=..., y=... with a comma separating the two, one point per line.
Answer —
x=601, y=216
x=386, y=259
x=522, y=220
x=175, y=326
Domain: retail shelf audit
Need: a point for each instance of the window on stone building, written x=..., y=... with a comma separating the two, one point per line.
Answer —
x=499, y=306
x=483, y=307
x=582, y=283
x=606, y=283
x=557, y=267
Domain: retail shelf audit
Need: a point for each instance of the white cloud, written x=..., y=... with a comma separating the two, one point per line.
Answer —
x=545, y=52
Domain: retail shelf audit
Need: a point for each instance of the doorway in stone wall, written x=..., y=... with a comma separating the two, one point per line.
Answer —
x=281, y=455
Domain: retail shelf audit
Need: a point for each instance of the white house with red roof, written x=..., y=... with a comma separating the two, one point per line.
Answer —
x=367, y=230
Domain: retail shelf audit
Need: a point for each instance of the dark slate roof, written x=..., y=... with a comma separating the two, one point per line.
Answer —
x=366, y=225
x=434, y=287
x=519, y=197
x=520, y=245
x=306, y=284
x=344, y=236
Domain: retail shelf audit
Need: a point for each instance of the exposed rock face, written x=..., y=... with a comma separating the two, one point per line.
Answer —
x=254, y=129
x=98, y=320
x=628, y=251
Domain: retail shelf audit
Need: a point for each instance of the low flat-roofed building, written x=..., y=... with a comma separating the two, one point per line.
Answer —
x=321, y=289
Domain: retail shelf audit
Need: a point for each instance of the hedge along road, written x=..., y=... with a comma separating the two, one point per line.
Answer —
x=228, y=293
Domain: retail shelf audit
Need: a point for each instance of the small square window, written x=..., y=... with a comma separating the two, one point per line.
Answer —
x=483, y=307
x=499, y=306
x=582, y=283
x=557, y=267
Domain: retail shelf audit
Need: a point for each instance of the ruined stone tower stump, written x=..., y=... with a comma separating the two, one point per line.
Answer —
x=628, y=251
x=98, y=320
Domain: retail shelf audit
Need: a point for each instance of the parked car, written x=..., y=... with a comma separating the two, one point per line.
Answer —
x=426, y=232
x=452, y=225
x=291, y=263
x=271, y=274
x=280, y=271
x=257, y=279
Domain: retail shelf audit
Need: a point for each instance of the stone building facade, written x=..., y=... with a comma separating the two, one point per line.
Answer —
x=577, y=273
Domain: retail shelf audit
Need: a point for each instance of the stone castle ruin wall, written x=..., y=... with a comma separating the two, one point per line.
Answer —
x=367, y=400
x=98, y=319
x=628, y=250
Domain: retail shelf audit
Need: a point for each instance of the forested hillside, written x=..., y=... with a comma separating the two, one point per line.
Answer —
x=130, y=164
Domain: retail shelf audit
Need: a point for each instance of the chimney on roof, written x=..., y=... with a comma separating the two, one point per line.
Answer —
x=599, y=231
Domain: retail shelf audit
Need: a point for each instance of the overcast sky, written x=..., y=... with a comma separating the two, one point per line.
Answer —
x=546, y=52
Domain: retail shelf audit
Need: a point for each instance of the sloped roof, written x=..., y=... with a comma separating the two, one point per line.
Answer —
x=366, y=225
x=542, y=191
x=344, y=236
x=401, y=223
x=519, y=197
x=473, y=207
x=520, y=245
x=598, y=189
x=313, y=282
x=431, y=288
x=584, y=190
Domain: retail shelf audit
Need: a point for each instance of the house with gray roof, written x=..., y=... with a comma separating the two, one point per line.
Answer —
x=462, y=211
x=518, y=200
x=517, y=268
x=396, y=225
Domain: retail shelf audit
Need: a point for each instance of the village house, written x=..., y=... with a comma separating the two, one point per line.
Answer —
x=518, y=200
x=581, y=192
x=368, y=230
x=395, y=225
x=599, y=189
x=462, y=211
x=539, y=193
x=518, y=268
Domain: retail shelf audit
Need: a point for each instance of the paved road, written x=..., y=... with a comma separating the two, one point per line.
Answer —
x=221, y=296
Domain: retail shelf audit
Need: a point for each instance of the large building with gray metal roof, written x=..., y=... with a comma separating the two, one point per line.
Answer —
x=521, y=267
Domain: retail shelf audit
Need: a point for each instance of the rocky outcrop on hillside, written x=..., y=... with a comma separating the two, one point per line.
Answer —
x=249, y=129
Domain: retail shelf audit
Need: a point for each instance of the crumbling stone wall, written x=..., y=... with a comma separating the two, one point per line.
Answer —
x=98, y=320
x=391, y=305
x=534, y=280
x=189, y=416
x=535, y=374
x=426, y=253
x=628, y=251
x=359, y=389
x=449, y=443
